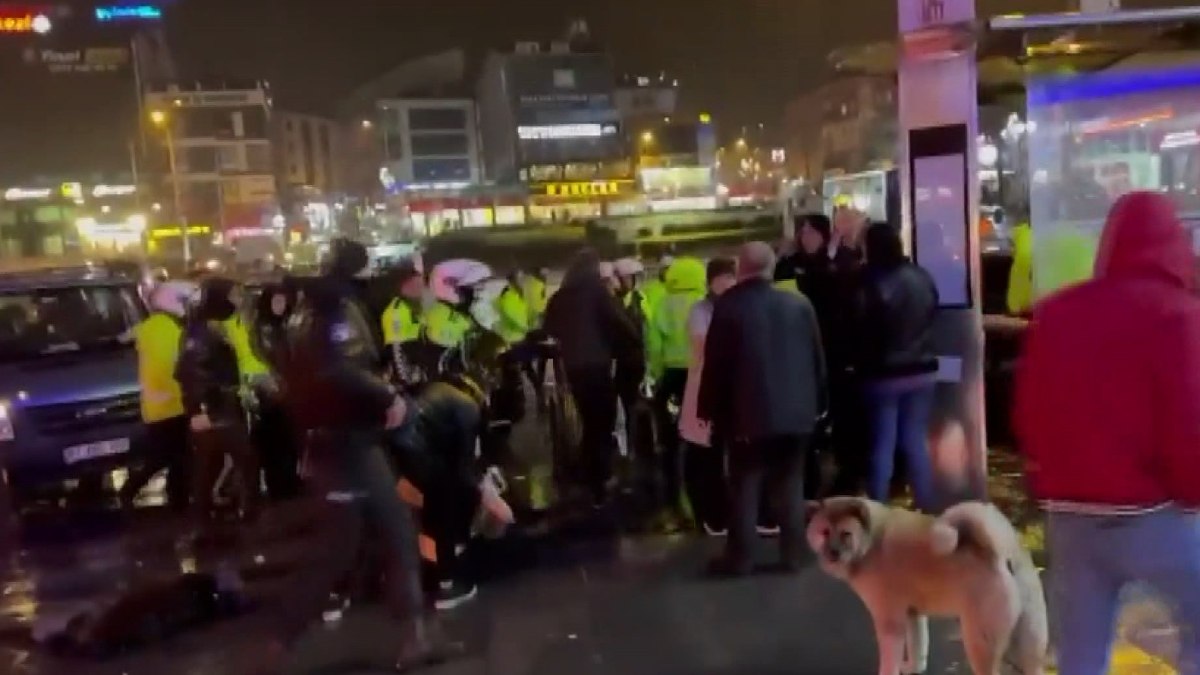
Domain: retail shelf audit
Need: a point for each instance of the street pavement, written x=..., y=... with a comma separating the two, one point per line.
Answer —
x=595, y=599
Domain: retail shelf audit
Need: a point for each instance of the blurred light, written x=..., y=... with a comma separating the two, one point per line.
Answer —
x=106, y=209
x=128, y=12
x=557, y=131
x=41, y=24
x=21, y=194
x=156, y=207
x=137, y=221
x=6, y=425
x=24, y=22
x=647, y=137
x=989, y=154
x=741, y=143
x=367, y=124
x=158, y=117
x=705, y=118
x=113, y=190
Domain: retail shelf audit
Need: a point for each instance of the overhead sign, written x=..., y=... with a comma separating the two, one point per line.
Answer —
x=110, y=13
x=113, y=190
x=596, y=188
x=76, y=61
x=215, y=98
x=24, y=20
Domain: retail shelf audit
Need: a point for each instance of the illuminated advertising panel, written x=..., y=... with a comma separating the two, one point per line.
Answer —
x=1095, y=137
x=113, y=13
x=24, y=19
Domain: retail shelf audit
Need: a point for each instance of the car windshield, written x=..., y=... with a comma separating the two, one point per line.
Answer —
x=47, y=321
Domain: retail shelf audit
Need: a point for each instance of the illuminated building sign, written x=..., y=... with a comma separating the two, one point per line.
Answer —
x=72, y=191
x=111, y=13
x=18, y=194
x=596, y=188
x=113, y=190
x=563, y=131
x=168, y=232
x=90, y=60
x=24, y=21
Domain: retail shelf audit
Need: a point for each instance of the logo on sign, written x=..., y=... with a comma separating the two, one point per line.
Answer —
x=592, y=189
x=933, y=11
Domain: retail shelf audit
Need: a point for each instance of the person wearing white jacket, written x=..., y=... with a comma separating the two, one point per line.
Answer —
x=704, y=463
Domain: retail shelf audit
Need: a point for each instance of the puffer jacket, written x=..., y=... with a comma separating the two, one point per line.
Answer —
x=896, y=310
x=1107, y=408
x=668, y=344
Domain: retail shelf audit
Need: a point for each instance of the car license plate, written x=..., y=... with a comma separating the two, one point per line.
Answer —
x=82, y=453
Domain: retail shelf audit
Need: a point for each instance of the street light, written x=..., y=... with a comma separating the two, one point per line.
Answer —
x=647, y=137
x=160, y=120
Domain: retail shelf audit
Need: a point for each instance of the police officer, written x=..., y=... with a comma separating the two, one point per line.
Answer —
x=272, y=431
x=448, y=322
x=158, y=338
x=403, y=328
x=668, y=346
x=346, y=406
x=208, y=375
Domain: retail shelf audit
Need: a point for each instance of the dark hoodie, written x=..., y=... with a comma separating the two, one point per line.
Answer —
x=587, y=320
x=1108, y=388
x=207, y=369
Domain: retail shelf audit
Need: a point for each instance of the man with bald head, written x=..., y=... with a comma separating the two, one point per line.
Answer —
x=763, y=399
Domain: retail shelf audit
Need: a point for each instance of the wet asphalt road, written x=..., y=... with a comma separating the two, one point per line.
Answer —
x=590, y=598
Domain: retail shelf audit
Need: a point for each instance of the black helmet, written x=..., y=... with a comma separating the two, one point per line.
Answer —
x=347, y=258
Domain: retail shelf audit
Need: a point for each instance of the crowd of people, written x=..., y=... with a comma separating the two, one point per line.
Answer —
x=744, y=368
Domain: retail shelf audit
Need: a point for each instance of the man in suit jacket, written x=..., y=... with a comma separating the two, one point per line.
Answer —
x=764, y=398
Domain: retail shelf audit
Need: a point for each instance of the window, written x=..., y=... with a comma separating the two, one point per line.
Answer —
x=437, y=119
x=432, y=170
x=198, y=160
x=258, y=158
x=454, y=145
x=564, y=78
x=72, y=320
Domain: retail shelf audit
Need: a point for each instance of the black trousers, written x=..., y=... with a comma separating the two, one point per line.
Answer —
x=851, y=438
x=209, y=448
x=595, y=397
x=670, y=392
x=168, y=449
x=275, y=440
x=707, y=489
x=777, y=465
x=353, y=492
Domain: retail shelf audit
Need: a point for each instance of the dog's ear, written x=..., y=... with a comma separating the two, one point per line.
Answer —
x=811, y=508
x=860, y=509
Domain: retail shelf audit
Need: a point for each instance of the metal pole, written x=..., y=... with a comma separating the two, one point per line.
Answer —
x=183, y=222
x=133, y=166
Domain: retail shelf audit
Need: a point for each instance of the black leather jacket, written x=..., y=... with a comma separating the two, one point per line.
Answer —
x=333, y=377
x=207, y=372
x=896, y=310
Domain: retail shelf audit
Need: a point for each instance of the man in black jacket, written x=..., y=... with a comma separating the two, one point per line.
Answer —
x=763, y=389
x=335, y=390
x=207, y=372
x=593, y=331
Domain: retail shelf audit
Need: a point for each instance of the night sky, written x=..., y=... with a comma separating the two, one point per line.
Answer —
x=739, y=59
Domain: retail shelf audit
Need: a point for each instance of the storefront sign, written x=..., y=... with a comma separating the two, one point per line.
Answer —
x=14, y=20
x=128, y=13
x=216, y=99
x=18, y=194
x=90, y=60
x=596, y=188
x=113, y=190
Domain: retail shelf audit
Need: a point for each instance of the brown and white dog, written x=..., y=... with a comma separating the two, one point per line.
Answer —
x=967, y=563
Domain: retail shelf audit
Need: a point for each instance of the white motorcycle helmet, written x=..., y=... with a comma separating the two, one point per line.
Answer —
x=174, y=297
x=448, y=277
x=629, y=267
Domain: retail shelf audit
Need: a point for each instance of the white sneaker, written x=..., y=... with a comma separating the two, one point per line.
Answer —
x=712, y=532
x=764, y=531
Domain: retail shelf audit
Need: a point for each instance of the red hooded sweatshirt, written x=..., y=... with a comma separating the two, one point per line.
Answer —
x=1107, y=406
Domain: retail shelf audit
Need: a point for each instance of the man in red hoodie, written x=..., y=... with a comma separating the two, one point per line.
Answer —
x=1107, y=412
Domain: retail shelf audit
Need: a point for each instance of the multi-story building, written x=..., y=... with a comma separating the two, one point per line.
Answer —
x=430, y=141
x=549, y=121
x=306, y=148
x=644, y=100
x=224, y=160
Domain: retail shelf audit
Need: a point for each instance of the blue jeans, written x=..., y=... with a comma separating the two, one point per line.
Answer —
x=1093, y=557
x=900, y=412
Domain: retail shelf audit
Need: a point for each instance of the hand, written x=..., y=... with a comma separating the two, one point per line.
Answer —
x=396, y=414
x=200, y=422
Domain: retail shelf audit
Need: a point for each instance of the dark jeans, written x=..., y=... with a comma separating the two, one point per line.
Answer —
x=670, y=391
x=596, y=399
x=168, y=449
x=208, y=456
x=777, y=463
x=275, y=440
x=707, y=489
x=352, y=486
x=900, y=413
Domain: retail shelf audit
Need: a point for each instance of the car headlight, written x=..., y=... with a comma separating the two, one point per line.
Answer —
x=6, y=425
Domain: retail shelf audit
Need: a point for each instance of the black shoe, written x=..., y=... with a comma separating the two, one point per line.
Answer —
x=452, y=594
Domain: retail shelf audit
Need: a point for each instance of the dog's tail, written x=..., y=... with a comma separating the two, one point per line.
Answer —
x=974, y=526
